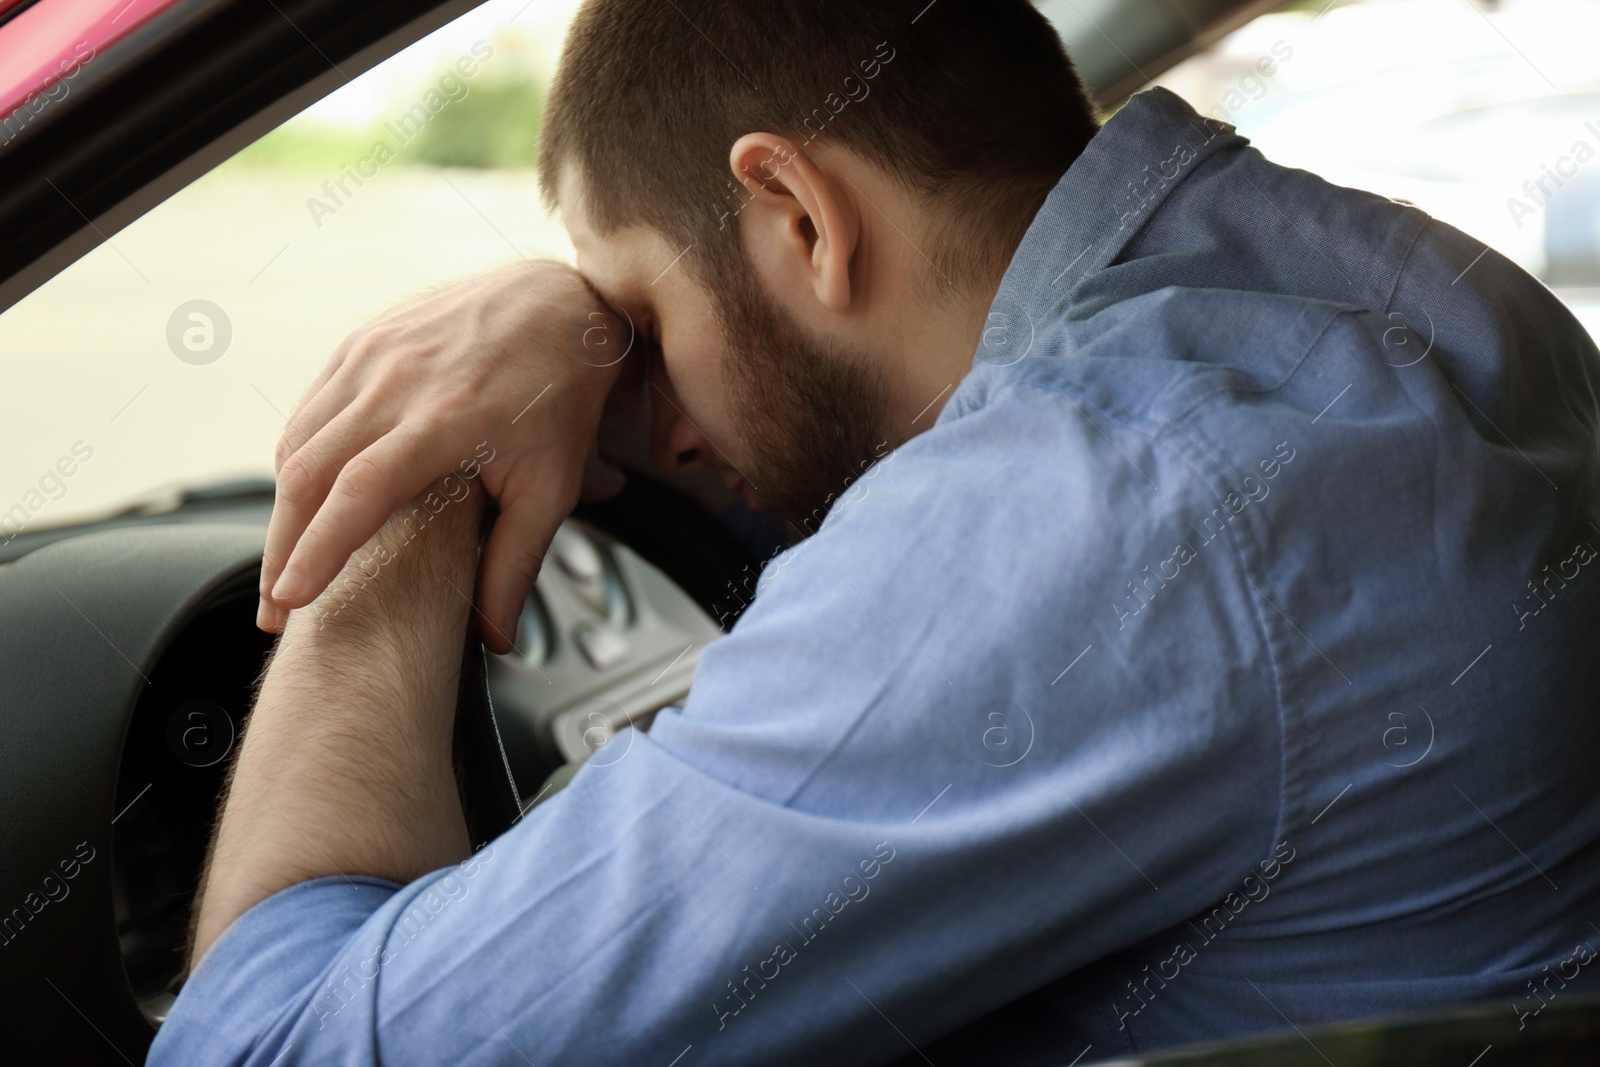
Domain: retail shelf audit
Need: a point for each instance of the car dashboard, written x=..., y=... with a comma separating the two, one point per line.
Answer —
x=162, y=606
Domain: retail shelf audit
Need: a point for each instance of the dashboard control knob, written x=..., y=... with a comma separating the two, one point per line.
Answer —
x=602, y=646
x=579, y=557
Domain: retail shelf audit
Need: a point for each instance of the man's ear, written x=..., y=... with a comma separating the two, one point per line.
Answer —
x=797, y=218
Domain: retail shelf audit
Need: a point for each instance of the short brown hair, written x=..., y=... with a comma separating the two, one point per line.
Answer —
x=972, y=104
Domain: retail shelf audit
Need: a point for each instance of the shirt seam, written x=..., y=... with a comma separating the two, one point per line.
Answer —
x=1288, y=770
x=1211, y=478
x=1147, y=422
x=1334, y=311
x=1422, y=220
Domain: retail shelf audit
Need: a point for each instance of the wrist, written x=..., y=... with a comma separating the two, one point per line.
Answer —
x=414, y=577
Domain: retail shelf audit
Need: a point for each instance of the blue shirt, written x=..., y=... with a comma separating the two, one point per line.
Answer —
x=1222, y=658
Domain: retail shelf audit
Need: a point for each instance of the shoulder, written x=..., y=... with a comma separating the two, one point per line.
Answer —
x=1030, y=558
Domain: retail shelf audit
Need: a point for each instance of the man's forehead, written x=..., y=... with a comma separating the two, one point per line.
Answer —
x=613, y=261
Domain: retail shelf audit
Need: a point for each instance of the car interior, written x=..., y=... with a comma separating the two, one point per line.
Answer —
x=128, y=640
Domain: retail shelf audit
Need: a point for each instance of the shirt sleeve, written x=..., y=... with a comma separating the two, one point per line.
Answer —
x=961, y=745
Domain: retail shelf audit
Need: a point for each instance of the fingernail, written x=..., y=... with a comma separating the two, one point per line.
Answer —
x=265, y=615
x=288, y=586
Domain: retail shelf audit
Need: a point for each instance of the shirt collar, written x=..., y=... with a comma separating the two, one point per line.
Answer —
x=1121, y=179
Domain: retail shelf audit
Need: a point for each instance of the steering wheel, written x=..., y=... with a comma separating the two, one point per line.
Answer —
x=118, y=764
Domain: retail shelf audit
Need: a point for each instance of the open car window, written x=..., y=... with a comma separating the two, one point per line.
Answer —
x=1486, y=116
x=171, y=355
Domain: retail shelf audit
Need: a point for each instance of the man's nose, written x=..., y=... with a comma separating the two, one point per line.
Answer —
x=676, y=445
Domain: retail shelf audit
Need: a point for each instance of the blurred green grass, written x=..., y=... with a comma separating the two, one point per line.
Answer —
x=495, y=125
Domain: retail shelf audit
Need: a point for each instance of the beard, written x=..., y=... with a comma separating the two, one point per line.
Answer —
x=811, y=413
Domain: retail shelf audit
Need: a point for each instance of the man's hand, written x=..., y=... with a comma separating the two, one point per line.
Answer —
x=515, y=365
x=346, y=765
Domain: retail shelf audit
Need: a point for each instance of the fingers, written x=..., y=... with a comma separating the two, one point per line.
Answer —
x=303, y=485
x=320, y=406
x=366, y=489
x=602, y=479
x=511, y=561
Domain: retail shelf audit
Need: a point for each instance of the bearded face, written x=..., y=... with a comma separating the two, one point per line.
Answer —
x=810, y=414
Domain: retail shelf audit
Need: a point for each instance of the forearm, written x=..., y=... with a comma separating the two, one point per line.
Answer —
x=346, y=764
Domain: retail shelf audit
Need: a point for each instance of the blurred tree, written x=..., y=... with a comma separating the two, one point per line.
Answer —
x=495, y=125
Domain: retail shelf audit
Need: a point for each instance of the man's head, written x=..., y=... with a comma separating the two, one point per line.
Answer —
x=804, y=207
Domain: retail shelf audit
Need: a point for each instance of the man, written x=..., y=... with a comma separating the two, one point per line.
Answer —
x=1201, y=647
